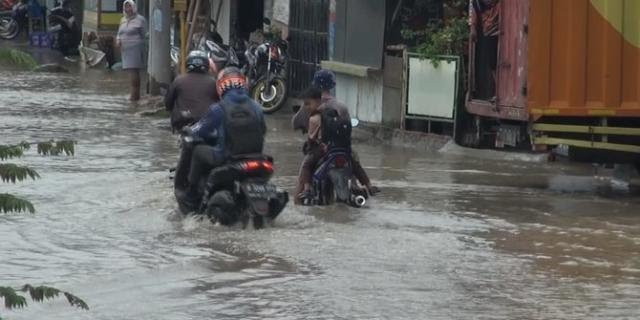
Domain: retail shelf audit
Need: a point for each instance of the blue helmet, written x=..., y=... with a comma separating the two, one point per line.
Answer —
x=324, y=80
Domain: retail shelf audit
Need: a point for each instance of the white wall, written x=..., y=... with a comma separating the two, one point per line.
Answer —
x=224, y=23
x=363, y=96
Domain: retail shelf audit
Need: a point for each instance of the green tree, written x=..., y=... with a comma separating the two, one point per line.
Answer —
x=12, y=173
x=13, y=299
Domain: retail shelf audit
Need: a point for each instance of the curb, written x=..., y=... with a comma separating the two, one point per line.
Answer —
x=366, y=132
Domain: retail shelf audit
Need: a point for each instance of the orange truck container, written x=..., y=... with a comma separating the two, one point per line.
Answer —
x=568, y=73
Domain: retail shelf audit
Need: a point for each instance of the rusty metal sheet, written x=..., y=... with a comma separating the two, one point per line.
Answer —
x=512, y=54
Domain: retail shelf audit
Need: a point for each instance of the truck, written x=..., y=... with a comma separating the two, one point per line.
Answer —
x=567, y=74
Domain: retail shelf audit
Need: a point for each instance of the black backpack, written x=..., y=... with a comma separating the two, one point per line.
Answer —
x=244, y=132
x=336, y=132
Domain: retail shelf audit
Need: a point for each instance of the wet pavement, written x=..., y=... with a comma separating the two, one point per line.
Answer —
x=457, y=234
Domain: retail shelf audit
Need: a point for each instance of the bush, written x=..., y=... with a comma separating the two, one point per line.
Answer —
x=441, y=38
x=17, y=58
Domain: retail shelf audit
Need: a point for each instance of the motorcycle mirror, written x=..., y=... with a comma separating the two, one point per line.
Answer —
x=210, y=44
x=355, y=122
x=186, y=130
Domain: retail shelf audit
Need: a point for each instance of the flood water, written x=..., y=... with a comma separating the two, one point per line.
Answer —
x=457, y=234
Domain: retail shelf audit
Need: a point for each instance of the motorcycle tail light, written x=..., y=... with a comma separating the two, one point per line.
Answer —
x=340, y=162
x=274, y=53
x=255, y=165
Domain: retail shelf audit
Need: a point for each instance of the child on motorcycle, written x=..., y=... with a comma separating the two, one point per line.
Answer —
x=315, y=101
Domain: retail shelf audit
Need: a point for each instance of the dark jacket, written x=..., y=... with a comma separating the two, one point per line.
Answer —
x=213, y=123
x=192, y=92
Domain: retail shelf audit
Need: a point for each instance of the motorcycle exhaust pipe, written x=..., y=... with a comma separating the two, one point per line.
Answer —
x=359, y=201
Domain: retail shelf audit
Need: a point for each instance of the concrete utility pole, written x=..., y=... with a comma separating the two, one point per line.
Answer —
x=159, y=45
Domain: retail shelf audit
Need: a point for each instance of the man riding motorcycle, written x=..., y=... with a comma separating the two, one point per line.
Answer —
x=316, y=99
x=234, y=126
x=188, y=100
x=191, y=94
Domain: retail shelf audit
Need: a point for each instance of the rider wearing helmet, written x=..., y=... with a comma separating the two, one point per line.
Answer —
x=191, y=94
x=233, y=126
x=322, y=84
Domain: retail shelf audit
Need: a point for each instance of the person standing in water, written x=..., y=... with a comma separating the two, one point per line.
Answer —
x=131, y=41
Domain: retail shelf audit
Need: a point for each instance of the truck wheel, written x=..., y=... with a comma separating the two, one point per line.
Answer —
x=471, y=133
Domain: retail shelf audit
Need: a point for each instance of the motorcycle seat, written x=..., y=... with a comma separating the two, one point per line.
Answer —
x=251, y=156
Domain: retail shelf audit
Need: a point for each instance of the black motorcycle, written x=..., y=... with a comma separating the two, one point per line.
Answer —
x=266, y=69
x=13, y=22
x=264, y=64
x=333, y=181
x=238, y=191
x=67, y=33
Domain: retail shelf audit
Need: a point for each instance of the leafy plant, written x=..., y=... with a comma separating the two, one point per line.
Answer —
x=14, y=300
x=12, y=173
x=17, y=58
x=441, y=38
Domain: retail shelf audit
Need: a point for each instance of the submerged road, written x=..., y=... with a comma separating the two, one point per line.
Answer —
x=457, y=234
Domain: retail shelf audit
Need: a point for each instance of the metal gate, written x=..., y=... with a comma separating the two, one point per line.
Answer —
x=308, y=45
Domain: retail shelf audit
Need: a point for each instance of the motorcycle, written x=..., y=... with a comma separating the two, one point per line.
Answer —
x=333, y=180
x=14, y=22
x=239, y=191
x=66, y=31
x=266, y=69
x=264, y=65
x=220, y=56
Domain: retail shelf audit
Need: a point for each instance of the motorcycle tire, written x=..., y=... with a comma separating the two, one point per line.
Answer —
x=272, y=100
x=9, y=28
x=258, y=222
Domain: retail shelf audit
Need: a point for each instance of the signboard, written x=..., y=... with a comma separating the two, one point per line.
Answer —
x=91, y=5
x=180, y=5
x=432, y=90
x=91, y=19
x=109, y=6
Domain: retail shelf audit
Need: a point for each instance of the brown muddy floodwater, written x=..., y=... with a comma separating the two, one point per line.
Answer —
x=457, y=234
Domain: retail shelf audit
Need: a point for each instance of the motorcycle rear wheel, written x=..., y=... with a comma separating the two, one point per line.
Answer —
x=271, y=99
x=9, y=28
x=258, y=222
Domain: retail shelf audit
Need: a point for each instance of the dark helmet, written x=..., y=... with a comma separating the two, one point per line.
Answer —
x=324, y=80
x=230, y=78
x=197, y=61
x=62, y=3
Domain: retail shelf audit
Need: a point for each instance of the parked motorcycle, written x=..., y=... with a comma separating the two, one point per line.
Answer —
x=266, y=69
x=66, y=30
x=238, y=191
x=264, y=64
x=13, y=22
x=220, y=56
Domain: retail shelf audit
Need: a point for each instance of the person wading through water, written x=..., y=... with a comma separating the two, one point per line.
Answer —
x=131, y=39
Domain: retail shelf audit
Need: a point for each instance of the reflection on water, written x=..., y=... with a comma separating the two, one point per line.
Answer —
x=454, y=235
